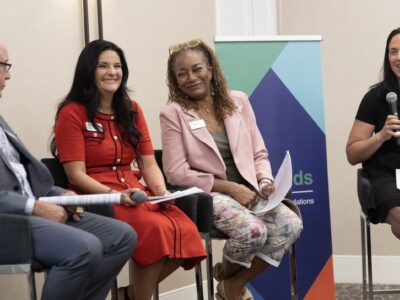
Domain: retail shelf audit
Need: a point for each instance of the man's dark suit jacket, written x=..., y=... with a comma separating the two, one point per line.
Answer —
x=11, y=198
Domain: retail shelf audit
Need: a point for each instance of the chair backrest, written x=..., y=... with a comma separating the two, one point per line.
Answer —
x=57, y=171
x=158, y=156
x=365, y=192
x=60, y=179
x=15, y=240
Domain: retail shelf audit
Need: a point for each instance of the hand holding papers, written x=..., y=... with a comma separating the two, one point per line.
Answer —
x=283, y=183
x=174, y=195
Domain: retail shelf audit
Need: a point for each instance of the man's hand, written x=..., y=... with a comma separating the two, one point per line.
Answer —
x=50, y=211
x=72, y=211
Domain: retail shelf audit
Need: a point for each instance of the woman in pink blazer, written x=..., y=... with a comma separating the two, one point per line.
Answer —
x=211, y=141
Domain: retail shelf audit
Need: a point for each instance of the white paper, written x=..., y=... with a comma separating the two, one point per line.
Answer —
x=283, y=183
x=174, y=195
x=398, y=179
x=110, y=198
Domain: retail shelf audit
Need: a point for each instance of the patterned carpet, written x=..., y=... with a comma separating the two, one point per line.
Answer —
x=354, y=292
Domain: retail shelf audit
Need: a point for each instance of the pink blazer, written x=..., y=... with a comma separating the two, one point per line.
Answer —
x=191, y=157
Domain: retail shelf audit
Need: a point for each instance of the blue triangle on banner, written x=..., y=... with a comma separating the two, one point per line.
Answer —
x=285, y=125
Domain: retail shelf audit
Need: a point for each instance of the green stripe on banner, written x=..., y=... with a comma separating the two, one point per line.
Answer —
x=254, y=62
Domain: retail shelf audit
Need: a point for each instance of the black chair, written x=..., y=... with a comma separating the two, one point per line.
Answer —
x=198, y=207
x=366, y=195
x=202, y=212
x=16, y=249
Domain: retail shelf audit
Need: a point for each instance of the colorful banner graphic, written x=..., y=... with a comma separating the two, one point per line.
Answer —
x=283, y=81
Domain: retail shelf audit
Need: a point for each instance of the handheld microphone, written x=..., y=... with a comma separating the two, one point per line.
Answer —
x=391, y=99
x=138, y=196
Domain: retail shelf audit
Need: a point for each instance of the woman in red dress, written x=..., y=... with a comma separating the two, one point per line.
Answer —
x=99, y=134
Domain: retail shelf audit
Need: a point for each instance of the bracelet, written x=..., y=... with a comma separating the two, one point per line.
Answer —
x=264, y=182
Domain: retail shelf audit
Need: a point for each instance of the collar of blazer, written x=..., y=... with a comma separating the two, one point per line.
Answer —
x=11, y=137
x=15, y=141
x=10, y=134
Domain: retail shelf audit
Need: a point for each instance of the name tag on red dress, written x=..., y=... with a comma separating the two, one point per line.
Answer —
x=90, y=127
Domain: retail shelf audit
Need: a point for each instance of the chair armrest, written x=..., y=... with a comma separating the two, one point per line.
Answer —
x=15, y=239
x=199, y=208
x=105, y=210
x=57, y=171
x=205, y=212
x=188, y=205
x=365, y=192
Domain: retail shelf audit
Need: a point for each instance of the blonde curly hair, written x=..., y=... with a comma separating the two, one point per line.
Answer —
x=223, y=104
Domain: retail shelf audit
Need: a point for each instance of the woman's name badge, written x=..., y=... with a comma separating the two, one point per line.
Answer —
x=398, y=179
x=196, y=124
x=90, y=127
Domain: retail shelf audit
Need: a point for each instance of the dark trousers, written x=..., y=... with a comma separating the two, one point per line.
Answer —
x=84, y=257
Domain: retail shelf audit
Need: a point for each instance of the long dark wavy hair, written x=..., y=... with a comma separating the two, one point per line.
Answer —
x=223, y=104
x=389, y=83
x=84, y=91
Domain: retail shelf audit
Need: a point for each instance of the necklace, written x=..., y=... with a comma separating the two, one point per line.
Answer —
x=204, y=109
x=210, y=119
x=206, y=106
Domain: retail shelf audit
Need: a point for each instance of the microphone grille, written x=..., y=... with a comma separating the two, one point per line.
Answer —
x=391, y=97
x=139, y=196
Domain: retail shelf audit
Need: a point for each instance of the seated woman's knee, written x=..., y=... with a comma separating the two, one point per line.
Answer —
x=393, y=216
x=297, y=227
x=255, y=235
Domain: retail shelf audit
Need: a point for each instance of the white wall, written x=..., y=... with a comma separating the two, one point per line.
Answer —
x=246, y=17
x=44, y=39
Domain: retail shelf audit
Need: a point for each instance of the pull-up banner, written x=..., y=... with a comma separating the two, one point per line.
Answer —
x=282, y=77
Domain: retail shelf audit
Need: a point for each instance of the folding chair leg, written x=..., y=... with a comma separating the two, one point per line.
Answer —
x=32, y=285
x=155, y=293
x=114, y=290
x=363, y=257
x=293, y=272
x=199, y=282
x=369, y=261
x=209, y=263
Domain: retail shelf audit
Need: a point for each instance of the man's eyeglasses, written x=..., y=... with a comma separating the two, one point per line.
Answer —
x=180, y=46
x=6, y=66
